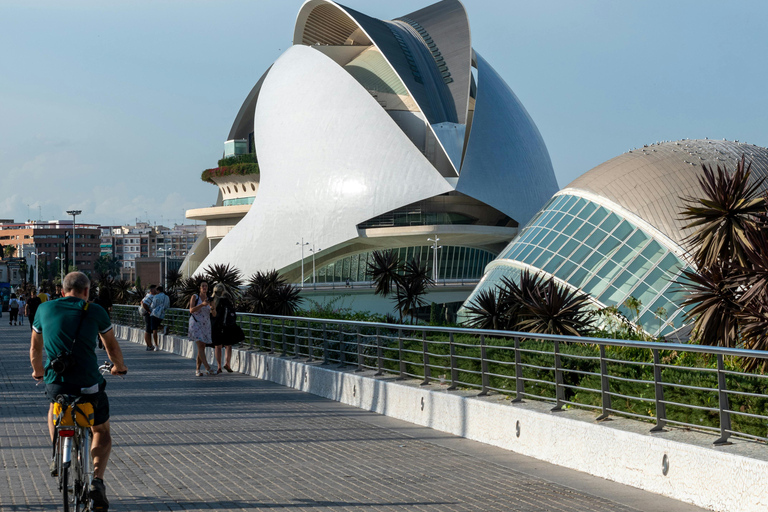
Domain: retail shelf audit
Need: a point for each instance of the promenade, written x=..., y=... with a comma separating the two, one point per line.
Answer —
x=233, y=442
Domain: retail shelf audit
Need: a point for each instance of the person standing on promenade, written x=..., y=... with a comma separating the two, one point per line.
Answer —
x=71, y=325
x=222, y=333
x=146, y=309
x=160, y=304
x=200, y=327
x=32, y=304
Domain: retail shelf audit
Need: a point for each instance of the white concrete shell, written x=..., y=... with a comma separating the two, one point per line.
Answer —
x=336, y=159
x=364, y=117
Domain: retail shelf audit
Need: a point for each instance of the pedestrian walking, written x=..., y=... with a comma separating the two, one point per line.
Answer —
x=145, y=308
x=200, y=327
x=13, y=310
x=160, y=304
x=224, y=330
x=32, y=304
x=22, y=311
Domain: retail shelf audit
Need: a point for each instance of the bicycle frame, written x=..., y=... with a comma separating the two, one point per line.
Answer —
x=72, y=445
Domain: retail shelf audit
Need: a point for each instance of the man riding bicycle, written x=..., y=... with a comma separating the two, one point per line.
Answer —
x=67, y=329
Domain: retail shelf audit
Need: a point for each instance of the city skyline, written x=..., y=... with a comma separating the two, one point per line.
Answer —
x=109, y=109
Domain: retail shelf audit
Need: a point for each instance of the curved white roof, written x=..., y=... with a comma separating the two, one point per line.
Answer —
x=651, y=181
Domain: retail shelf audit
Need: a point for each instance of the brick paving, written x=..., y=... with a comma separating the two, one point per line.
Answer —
x=233, y=442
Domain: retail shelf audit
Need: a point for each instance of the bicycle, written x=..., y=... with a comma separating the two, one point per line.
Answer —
x=73, y=419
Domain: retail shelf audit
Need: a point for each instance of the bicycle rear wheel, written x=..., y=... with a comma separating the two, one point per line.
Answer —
x=65, y=482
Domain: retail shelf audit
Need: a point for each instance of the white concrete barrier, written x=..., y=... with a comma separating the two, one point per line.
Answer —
x=678, y=464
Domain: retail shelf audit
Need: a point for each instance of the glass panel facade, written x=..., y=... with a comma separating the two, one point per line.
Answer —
x=596, y=250
x=453, y=263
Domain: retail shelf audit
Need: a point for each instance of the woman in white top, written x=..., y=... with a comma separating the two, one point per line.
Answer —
x=200, y=327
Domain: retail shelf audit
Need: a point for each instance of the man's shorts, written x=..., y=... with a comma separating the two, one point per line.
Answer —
x=148, y=323
x=155, y=322
x=99, y=400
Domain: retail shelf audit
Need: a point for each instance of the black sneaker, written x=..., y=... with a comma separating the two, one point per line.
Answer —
x=54, y=468
x=99, y=495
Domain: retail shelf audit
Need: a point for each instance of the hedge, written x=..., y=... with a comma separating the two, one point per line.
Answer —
x=242, y=169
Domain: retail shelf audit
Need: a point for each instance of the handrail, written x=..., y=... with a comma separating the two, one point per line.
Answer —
x=708, y=392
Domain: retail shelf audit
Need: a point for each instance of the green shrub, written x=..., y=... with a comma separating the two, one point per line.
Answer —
x=248, y=158
x=242, y=169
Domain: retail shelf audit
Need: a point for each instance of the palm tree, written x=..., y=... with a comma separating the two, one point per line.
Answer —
x=549, y=308
x=226, y=275
x=485, y=311
x=122, y=291
x=384, y=271
x=730, y=206
x=713, y=297
x=173, y=278
x=189, y=287
x=410, y=288
x=268, y=293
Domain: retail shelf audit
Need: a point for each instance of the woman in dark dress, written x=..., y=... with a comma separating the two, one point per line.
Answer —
x=221, y=330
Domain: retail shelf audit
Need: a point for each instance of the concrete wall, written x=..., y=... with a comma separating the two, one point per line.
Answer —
x=729, y=478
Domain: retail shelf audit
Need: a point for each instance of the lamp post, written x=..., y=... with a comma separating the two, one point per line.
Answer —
x=74, y=214
x=165, y=264
x=314, y=279
x=61, y=269
x=37, y=269
x=435, y=247
x=302, y=244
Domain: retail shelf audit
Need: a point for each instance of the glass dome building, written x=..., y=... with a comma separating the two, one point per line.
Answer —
x=615, y=232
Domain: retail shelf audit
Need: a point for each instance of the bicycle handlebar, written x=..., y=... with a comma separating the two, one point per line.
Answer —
x=107, y=368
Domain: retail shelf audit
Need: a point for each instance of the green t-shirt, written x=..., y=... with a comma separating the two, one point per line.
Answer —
x=57, y=321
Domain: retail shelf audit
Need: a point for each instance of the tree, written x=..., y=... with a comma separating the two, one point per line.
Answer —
x=268, y=293
x=226, y=275
x=107, y=266
x=384, y=271
x=411, y=286
x=730, y=206
x=9, y=251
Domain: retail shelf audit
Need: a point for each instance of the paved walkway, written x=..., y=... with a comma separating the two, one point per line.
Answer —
x=232, y=442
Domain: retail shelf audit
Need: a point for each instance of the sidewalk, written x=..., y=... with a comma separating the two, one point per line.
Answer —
x=232, y=442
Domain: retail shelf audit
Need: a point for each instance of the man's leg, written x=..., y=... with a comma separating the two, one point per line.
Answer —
x=148, y=331
x=50, y=422
x=101, y=448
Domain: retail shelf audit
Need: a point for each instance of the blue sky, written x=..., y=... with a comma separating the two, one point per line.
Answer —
x=116, y=107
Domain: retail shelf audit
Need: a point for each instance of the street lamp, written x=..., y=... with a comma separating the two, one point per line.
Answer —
x=61, y=269
x=302, y=244
x=165, y=260
x=37, y=268
x=435, y=247
x=74, y=214
x=314, y=281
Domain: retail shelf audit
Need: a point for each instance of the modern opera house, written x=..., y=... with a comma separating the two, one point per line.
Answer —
x=373, y=134
x=617, y=232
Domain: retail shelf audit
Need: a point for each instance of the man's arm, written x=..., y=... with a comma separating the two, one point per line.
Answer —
x=36, y=355
x=114, y=352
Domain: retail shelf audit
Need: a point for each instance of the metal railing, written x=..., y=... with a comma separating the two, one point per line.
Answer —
x=691, y=386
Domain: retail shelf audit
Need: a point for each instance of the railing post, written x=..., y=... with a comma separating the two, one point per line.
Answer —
x=559, y=390
x=325, y=343
x=483, y=367
x=604, y=386
x=519, y=383
x=296, y=348
x=310, y=343
x=454, y=369
x=425, y=358
x=261, y=333
x=661, y=407
x=400, y=349
x=379, y=353
x=271, y=335
x=285, y=341
x=250, y=333
x=725, y=409
x=360, y=360
x=342, y=353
